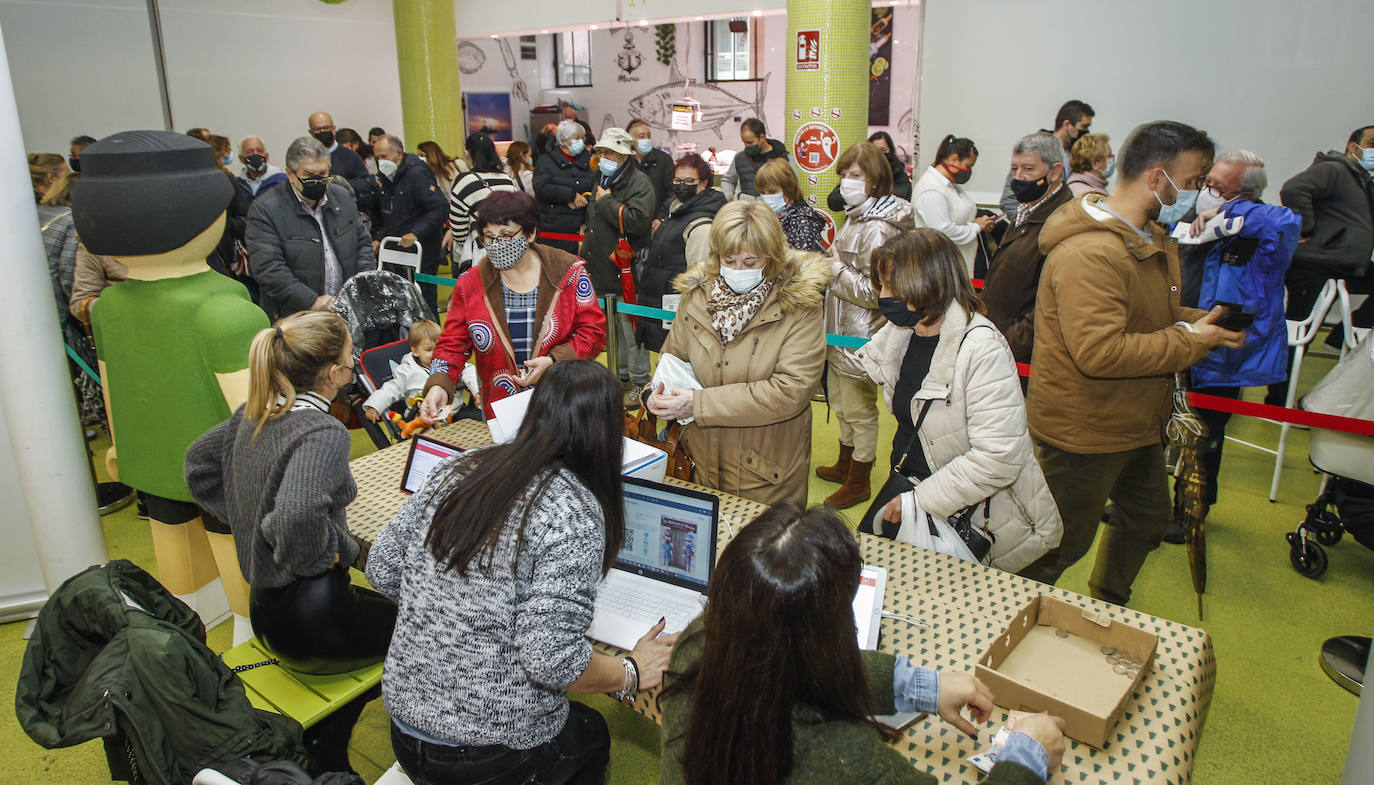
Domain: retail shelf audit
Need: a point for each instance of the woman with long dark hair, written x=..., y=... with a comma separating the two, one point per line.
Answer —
x=495, y=564
x=768, y=686
x=469, y=190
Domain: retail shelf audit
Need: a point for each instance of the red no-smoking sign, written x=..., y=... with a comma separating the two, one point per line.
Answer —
x=816, y=146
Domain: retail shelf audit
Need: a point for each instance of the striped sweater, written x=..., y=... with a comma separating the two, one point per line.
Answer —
x=466, y=195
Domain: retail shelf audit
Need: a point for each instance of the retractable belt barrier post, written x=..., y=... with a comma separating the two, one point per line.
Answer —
x=612, y=305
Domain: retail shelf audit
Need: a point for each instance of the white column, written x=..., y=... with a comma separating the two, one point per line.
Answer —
x=36, y=399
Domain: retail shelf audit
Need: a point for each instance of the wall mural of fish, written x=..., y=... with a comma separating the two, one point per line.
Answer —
x=718, y=105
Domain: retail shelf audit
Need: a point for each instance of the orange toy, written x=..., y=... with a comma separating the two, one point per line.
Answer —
x=409, y=429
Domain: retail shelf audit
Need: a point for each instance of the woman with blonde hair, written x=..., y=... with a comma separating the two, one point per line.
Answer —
x=45, y=169
x=779, y=189
x=872, y=215
x=750, y=324
x=520, y=165
x=445, y=168
x=1093, y=164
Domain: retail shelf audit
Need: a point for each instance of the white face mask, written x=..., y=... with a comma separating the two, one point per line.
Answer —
x=1205, y=201
x=853, y=192
x=776, y=201
x=741, y=281
x=387, y=167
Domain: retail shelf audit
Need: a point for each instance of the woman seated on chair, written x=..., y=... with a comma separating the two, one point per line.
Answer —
x=523, y=306
x=948, y=376
x=750, y=325
x=495, y=563
x=769, y=685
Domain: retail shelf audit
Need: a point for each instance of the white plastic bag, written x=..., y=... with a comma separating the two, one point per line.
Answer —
x=917, y=526
x=674, y=373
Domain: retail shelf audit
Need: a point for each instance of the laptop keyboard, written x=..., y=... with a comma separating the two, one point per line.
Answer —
x=641, y=606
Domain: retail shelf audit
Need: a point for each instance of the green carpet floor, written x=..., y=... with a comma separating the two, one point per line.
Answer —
x=1275, y=717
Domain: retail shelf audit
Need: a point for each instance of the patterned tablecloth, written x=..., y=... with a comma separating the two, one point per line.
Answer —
x=967, y=606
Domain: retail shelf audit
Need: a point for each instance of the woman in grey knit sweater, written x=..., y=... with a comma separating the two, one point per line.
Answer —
x=495, y=563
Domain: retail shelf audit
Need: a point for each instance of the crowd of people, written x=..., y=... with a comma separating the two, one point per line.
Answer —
x=1110, y=269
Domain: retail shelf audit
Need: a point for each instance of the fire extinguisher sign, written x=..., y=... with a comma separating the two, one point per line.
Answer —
x=808, y=50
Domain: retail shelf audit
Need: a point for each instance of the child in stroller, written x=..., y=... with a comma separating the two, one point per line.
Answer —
x=408, y=377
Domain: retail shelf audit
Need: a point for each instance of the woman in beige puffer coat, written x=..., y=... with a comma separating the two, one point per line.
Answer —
x=973, y=438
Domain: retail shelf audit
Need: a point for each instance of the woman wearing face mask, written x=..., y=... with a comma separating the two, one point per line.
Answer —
x=683, y=239
x=901, y=181
x=944, y=206
x=563, y=183
x=779, y=189
x=1093, y=165
x=949, y=378
x=655, y=164
x=520, y=166
x=522, y=307
x=751, y=326
x=873, y=215
x=487, y=176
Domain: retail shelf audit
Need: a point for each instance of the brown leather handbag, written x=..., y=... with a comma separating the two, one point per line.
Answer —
x=643, y=427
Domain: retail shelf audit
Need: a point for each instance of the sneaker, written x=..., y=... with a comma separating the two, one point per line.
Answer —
x=1175, y=534
x=632, y=398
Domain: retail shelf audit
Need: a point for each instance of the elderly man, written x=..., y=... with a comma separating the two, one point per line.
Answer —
x=344, y=162
x=1236, y=250
x=1037, y=180
x=1109, y=335
x=257, y=175
x=412, y=206
x=1074, y=119
x=305, y=240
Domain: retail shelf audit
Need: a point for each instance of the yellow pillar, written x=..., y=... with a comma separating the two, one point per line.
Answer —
x=427, y=54
x=827, y=89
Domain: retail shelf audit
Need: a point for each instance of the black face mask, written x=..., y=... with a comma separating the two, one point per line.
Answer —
x=313, y=188
x=895, y=311
x=325, y=138
x=1027, y=191
x=684, y=192
x=75, y=164
x=256, y=163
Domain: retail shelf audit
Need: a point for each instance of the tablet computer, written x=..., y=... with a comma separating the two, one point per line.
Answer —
x=425, y=453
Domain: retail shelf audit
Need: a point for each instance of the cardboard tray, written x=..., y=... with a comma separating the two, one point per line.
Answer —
x=1030, y=668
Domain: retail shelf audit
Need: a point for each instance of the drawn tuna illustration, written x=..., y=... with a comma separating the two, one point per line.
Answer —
x=471, y=58
x=517, y=82
x=655, y=105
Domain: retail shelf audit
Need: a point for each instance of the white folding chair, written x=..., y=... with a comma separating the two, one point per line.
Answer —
x=1300, y=335
x=402, y=261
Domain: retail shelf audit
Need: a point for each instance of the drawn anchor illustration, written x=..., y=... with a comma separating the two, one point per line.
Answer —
x=629, y=59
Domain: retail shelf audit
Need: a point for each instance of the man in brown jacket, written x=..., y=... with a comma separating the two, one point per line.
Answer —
x=1109, y=334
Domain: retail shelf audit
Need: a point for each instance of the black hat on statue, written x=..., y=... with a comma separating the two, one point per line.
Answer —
x=147, y=192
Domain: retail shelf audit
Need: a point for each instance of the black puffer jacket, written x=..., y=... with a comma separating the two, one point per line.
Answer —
x=667, y=258
x=1335, y=199
x=114, y=655
x=658, y=167
x=557, y=181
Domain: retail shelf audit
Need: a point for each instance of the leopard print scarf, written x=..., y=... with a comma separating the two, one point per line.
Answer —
x=730, y=312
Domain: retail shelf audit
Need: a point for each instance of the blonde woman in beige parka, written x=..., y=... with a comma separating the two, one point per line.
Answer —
x=758, y=351
x=973, y=439
x=872, y=216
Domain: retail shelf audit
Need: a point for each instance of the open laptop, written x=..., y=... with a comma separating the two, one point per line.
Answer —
x=426, y=452
x=868, y=605
x=664, y=566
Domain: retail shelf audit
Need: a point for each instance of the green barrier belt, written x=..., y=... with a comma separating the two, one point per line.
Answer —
x=842, y=341
x=76, y=358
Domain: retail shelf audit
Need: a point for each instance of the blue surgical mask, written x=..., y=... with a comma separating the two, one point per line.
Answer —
x=1173, y=213
x=1367, y=158
x=228, y=159
x=741, y=281
x=644, y=146
x=576, y=146
x=607, y=167
x=776, y=201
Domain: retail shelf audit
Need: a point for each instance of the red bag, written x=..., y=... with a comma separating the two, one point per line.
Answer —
x=623, y=258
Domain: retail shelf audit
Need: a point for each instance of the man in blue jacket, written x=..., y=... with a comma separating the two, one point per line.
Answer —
x=412, y=207
x=1236, y=250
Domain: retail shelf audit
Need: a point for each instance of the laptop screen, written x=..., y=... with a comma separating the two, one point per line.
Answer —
x=670, y=533
x=425, y=453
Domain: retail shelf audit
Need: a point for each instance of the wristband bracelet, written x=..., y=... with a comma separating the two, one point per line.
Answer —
x=631, y=680
x=1187, y=326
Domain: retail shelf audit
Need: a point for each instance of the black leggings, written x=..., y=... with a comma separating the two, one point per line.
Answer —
x=323, y=624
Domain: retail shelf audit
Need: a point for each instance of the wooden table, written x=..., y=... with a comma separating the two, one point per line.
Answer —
x=967, y=606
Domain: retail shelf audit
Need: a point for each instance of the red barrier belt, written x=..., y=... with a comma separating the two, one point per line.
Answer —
x=1330, y=422
x=568, y=238
x=978, y=283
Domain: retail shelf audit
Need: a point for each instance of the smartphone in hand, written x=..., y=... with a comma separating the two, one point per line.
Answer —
x=1236, y=319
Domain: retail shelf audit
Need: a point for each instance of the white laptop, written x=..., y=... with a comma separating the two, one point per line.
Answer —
x=664, y=566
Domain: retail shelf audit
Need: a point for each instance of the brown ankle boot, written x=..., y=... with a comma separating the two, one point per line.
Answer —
x=840, y=471
x=856, y=487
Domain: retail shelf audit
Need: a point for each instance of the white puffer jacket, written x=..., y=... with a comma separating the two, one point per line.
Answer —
x=974, y=437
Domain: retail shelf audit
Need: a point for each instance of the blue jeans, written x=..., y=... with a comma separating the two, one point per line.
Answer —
x=577, y=756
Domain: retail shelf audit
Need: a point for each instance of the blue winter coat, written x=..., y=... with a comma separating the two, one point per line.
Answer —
x=1247, y=266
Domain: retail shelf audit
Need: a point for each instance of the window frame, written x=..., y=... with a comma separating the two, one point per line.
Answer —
x=754, y=48
x=558, y=62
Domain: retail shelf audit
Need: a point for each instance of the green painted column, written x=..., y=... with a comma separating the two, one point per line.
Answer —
x=827, y=89
x=427, y=55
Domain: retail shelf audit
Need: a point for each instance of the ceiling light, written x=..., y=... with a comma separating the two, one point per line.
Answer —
x=594, y=27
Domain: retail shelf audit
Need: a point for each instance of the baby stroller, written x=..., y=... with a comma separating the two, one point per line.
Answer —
x=379, y=307
x=1345, y=503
